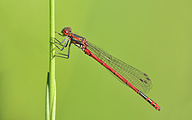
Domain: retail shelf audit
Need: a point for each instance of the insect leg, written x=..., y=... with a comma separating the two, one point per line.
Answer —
x=63, y=46
x=64, y=55
x=59, y=33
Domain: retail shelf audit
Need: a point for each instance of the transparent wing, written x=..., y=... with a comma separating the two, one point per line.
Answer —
x=136, y=77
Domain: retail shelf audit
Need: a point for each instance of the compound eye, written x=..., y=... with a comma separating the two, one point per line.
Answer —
x=65, y=32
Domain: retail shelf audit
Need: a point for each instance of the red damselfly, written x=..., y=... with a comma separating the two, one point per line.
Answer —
x=129, y=75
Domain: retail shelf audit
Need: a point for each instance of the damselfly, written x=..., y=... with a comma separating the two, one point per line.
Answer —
x=134, y=78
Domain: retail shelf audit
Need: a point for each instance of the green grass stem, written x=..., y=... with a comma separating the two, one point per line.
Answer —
x=51, y=83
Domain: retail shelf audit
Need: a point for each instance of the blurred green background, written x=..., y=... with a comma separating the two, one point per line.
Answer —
x=154, y=36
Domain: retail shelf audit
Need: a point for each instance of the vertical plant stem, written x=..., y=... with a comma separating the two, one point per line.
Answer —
x=51, y=84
